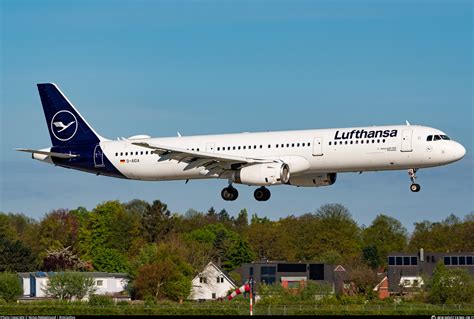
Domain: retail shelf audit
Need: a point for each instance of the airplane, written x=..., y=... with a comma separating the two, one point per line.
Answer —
x=302, y=158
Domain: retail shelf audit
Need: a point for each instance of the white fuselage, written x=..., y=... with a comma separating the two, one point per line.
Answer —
x=306, y=151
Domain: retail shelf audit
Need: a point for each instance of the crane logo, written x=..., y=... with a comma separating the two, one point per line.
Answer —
x=64, y=125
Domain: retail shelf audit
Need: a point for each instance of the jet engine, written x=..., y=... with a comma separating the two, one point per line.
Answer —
x=313, y=180
x=263, y=174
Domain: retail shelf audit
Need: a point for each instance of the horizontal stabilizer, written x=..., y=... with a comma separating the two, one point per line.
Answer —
x=52, y=154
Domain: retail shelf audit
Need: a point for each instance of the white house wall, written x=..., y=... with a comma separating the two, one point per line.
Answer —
x=205, y=290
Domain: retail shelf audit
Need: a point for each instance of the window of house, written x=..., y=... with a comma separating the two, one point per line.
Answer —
x=414, y=261
x=454, y=260
x=447, y=260
x=251, y=271
x=399, y=261
x=202, y=280
x=100, y=283
x=406, y=261
x=462, y=260
x=391, y=260
x=469, y=260
x=213, y=295
x=406, y=282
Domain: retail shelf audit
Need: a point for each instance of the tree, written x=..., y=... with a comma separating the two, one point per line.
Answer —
x=10, y=286
x=69, y=285
x=156, y=222
x=239, y=253
x=384, y=235
x=109, y=260
x=14, y=256
x=451, y=285
x=242, y=221
x=63, y=259
x=363, y=277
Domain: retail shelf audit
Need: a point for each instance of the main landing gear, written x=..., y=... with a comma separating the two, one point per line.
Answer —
x=414, y=187
x=262, y=194
x=229, y=193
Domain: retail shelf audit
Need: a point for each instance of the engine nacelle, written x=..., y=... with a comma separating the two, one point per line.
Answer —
x=263, y=174
x=313, y=180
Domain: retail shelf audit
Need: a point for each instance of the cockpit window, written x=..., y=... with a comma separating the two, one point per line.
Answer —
x=445, y=137
x=429, y=138
x=437, y=137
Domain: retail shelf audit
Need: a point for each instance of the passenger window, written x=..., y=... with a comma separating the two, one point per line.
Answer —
x=245, y=147
x=329, y=143
x=116, y=154
x=282, y=145
x=292, y=144
x=298, y=144
x=269, y=146
x=437, y=138
x=429, y=138
x=261, y=146
x=303, y=144
x=357, y=141
x=126, y=153
x=309, y=144
x=373, y=141
x=345, y=142
x=233, y=147
x=255, y=146
x=146, y=152
x=276, y=145
x=378, y=141
x=287, y=145
x=383, y=141
x=351, y=142
x=362, y=142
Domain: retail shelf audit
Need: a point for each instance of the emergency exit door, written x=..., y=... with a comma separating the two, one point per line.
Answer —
x=318, y=146
x=407, y=141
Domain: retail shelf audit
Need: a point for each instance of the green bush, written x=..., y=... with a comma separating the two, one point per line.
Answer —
x=100, y=300
x=10, y=286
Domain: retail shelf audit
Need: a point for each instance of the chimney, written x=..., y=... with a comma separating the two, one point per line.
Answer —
x=422, y=255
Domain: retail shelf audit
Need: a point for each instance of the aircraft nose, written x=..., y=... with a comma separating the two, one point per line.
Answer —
x=458, y=151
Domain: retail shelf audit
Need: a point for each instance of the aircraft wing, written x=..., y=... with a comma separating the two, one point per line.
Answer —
x=213, y=163
x=52, y=154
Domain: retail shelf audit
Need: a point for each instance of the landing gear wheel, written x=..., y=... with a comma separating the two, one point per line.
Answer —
x=229, y=193
x=415, y=188
x=262, y=194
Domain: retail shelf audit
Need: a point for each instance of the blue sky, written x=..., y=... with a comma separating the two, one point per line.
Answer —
x=204, y=67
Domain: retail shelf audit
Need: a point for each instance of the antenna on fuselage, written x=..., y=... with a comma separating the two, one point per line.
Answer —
x=408, y=123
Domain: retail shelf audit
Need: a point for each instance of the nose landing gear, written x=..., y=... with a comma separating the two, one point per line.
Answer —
x=414, y=187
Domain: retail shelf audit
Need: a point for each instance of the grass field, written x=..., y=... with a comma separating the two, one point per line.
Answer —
x=227, y=308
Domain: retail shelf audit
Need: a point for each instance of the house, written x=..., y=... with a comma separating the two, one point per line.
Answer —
x=293, y=275
x=34, y=283
x=406, y=270
x=382, y=288
x=211, y=283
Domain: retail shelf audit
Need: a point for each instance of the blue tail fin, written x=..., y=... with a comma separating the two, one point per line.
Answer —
x=66, y=126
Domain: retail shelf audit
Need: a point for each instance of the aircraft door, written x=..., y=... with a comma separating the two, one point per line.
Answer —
x=210, y=147
x=318, y=146
x=98, y=156
x=407, y=140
